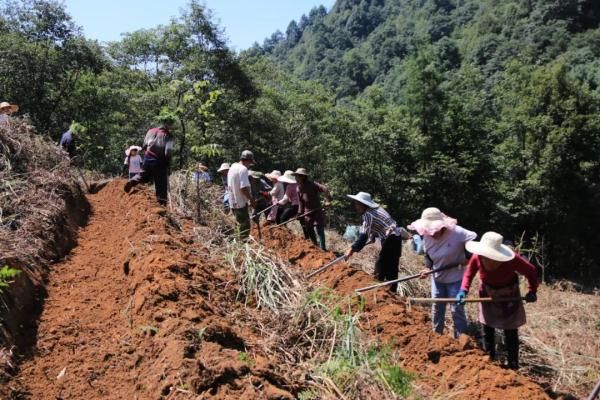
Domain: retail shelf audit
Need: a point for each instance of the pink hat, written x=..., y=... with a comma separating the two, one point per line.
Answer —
x=432, y=220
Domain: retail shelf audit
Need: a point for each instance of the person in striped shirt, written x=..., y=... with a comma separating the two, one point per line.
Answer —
x=378, y=224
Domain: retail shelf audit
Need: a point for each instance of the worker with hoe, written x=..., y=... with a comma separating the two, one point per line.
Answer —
x=378, y=224
x=498, y=266
x=239, y=191
x=158, y=147
x=310, y=206
x=259, y=189
x=444, y=245
x=289, y=202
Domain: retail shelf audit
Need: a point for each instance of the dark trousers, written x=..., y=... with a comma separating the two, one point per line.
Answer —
x=288, y=213
x=242, y=217
x=386, y=266
x=157, y=170
x=511, y=338
x=260, y=207
x=309, y=233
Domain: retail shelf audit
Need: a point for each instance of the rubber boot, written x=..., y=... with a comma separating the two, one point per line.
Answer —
x=511, y=336
x=489, y=342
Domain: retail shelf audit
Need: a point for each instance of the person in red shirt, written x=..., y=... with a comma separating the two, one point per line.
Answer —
x=498, y=268
x=310, y=205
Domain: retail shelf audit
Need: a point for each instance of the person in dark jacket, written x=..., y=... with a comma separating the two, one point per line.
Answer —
x=310, y=204
x=67, y=142
x=378, y=224
x=158, y=147
x=260, y=192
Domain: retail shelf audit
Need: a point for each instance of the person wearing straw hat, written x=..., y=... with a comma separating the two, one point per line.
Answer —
x=310, y=204
x=7, y=109
x=201, y=173
x=158, y=145
x=498, y=266
x=289, y=202
x=133, y=161
x=378, y=224
x=444, y=246
x=223, y=171
x=277, y=194
x=238, y=183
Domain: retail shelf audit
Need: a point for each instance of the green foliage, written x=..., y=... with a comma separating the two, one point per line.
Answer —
x=7, y=275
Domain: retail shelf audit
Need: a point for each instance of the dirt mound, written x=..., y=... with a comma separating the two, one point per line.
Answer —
x=140, y=311
x=445, y=367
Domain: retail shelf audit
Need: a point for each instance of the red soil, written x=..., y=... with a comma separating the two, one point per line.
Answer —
x=125, y=311
x=445, y=367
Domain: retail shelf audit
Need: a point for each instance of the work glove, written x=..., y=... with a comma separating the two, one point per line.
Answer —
x=531, y=297
x=460, y=297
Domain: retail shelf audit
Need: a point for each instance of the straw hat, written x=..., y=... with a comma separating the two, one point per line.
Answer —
x=301, y=171
x=432, y=220
x=128, y=151
x=275, y=175
x=9, y=108
x=288, y=177
x=224, y=167
x=363, y=198
x=491, y=246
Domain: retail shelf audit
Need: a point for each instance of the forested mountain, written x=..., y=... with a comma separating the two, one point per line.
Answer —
x=487, y=109
x=365, y=42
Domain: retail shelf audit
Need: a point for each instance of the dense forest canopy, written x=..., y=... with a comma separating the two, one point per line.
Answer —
x=487, y=109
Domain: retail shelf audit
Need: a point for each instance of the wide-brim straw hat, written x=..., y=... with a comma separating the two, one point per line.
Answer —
x=274, y=175
x=432, y=220
x=363, y=198
x=128, y=151
x=224, y=167
x=11, y=108
x=301, y=171
x=288, y=177
x=491, y=246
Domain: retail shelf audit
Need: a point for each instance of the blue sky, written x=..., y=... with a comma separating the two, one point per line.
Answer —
x=244, y=21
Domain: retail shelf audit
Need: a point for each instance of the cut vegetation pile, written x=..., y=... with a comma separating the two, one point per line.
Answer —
x=41, y=206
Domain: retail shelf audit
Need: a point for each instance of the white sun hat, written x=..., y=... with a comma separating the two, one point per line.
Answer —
x=432, y=220
x=491, y=246
x=9, y=108
x=363, y=198
x=275, y=175
x=288, y=177
x=138, y=148
x=224, y=167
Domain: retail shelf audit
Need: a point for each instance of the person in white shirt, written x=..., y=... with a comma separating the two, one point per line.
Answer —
x=239, y=191
x=444, y=244
x=277, y=194
x=5, y=110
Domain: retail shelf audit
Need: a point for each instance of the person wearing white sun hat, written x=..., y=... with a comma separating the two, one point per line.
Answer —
x=498, y=266
x=378, y=224
x=277, y=194
x=5, y=110
x=444, y=246
x=289, y=202
x=133, y=161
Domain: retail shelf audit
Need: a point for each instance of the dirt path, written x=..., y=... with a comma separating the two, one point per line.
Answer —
x=84, y=325
x=138, y=310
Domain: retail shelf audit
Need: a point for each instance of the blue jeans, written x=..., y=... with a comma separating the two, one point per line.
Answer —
x=450, y=290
